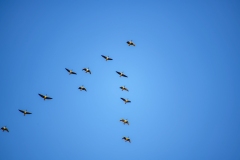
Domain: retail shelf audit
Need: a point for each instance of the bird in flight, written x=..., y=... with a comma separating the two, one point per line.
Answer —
x=123, y=88
x=125, y=121
x=25, y=112
x=44, y=97
x=130, y=43
x=86, y=70
x=121, y=74
x=106, y=57
x=82, y=88
x=70, y=71
x=4, y=129
x=127, y=139
x=125, y=100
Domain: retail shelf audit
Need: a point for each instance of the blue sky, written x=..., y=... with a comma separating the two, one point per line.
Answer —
x=183, y=80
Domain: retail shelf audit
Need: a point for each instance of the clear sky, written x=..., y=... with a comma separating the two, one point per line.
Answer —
x=183, y=80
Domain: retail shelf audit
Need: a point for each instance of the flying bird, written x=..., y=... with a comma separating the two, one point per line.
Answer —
x=82, y=88
x=86, y=70
x=106, y=57
x=130, y=43
x=125, y=121
x=125, y=100
x=121, y=74
x=25, y=112
x=70, y=71
x=44, y=97
x=123, y=88
x=4, y=129
x=127, y=139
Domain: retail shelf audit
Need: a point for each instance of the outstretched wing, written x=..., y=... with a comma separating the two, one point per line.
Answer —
x=126, y=89
x=28, y=113
x=21, y=110
x=104, y=56
x=123, y=99
x=118, y=72
x=41, y=95
x=74, y=73
x=67, y=69
x=129, y=101
x=48, y=98
x=84, y=69
x=110, y=59
x=124, y=75
x=89, y=72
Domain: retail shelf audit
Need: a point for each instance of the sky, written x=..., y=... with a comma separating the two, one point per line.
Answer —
x=183, y=80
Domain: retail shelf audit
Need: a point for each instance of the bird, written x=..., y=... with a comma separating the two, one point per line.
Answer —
x=126, y=100
x=121, y=74
x=44, y=97
x=25, y=112
x=70, y=71
x=127, y=139
x=130, y=43
x=124, y=88
x=106, y=57
x=4, y=129
x=86, y=70
x=125, y=121
x=82, y=88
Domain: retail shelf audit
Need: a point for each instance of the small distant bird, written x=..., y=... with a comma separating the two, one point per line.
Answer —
x=106, y=57
x=82, y=88
x=130, y=43
x=124, y=88
x=25, y=112
x=125, y=121
x=70, y=71
x=127, y=139
x=121, y=74
x=4, y=129
x=126, y=100
x=44, y=97
x=86, y=70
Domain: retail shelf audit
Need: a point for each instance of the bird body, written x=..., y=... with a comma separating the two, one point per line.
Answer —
x=4, y=129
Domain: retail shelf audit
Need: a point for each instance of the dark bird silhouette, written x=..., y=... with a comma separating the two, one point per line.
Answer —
x=125, y=100
x=127, y=139
x=121, y=74
x=106, y=57
x=86, y=70
x=82, y=88
x=70, y=71
x=4, y=129
x=25, y=112
x=130, y=43
x=44, y=97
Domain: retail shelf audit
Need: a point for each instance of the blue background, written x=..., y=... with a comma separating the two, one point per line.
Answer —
x=183, y=80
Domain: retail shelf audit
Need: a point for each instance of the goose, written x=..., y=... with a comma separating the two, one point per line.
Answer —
x=124, y=88
x=86, y=70
x=130, y=43
x=125, y=100
x=44, y=97
x=127, y=139
x=70, y=71
x=82, y=88
x=25, y=112
x=121, y=74
x=106, y=57
x=125, y=121
x=4, y=129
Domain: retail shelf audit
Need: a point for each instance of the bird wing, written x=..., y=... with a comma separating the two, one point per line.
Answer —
x=89, y=72
x=67, y=69
x=104, y=56
x=123, y=99
x=110, y=59
x=7, y=130
x=84, y=69
x=121, y=87
x=48, y=98
x=74, y=73
x=126, y=89
x=41, y=95
x=28, y=113
x=124, y=75
x=21, y=110
x=129, y=101
x=118, y=72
